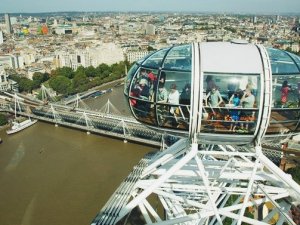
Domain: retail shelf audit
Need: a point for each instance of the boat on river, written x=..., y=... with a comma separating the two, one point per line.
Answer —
x=18, y=126
x=99, y=93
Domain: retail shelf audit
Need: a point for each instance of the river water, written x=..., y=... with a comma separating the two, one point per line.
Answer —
x=58, y=176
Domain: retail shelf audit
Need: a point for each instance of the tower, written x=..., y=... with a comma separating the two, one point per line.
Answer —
x=1, y=37
x=8, y=24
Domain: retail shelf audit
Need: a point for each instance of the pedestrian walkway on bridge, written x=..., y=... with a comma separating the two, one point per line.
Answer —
x=107, y=121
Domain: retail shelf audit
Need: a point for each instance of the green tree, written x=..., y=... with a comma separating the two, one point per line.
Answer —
x=38, y=78
x=295, y=172
x=25, y=84
x=97, y=81
x=90, y=71
x=118, y=68
x=80, y=70
x=3, y=119
x=233, y=30
x=103, y=70
x=65, y=71
x=53, y=73
x=61, y=84
x=79, y=80
x=15, y=78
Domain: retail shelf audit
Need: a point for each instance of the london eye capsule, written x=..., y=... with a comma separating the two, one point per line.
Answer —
x=217, y=92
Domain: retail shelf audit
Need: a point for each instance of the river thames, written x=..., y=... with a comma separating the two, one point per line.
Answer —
x=58, y=176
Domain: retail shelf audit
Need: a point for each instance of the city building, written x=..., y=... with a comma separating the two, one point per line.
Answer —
x=64, y=29
x=73, y=59
x=13, y=20
x=9, y=61
x=295, y=47
x=107, y=53
x=8, y=24
x=133, y=56
x=150, y=29
x=3, y=79
x=5, y=83
x=1, y=37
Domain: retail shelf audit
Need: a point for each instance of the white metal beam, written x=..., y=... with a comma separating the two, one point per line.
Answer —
x=160, y=180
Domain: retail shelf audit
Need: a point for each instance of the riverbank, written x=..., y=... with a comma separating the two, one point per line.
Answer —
x=110, y=84
x=4, y=127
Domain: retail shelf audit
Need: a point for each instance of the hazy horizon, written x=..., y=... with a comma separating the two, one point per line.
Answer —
x=192, y=6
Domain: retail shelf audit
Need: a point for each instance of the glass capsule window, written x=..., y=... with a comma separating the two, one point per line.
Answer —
x=179, y=58
x=159, y=90
x=230, y=103
x=173, y=99
x=282, y=62
x=142, y=93
x=285, y=104
x=285, y=113
x=129, y=77
x=295, y=58
x=156, y=59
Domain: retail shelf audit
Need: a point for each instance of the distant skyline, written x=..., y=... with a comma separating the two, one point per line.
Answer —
x=226, y=6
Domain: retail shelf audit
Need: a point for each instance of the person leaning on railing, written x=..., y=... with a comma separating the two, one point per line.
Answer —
x=247, y=101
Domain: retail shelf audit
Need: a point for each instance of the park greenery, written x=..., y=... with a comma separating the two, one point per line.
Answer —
x=66, y=81
x=295, y=173
x=3, y=119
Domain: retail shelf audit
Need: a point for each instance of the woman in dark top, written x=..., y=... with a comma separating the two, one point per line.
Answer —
x=162, y=79
x=185, y=99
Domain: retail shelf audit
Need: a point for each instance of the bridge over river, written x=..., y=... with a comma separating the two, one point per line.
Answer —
x=104, y=122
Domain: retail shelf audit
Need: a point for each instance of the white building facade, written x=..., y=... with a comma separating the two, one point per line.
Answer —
x=133, y=56
x=1, y=37
x=9, y=61
x=107, y=53
x=5, y=83
x=150, y=29
x=8, y=24
x=73, y=59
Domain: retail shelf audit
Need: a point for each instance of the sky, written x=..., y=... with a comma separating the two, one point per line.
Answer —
x=236, y=6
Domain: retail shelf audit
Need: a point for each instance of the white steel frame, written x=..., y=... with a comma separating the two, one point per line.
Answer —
x=205, y=184
x=208, y=184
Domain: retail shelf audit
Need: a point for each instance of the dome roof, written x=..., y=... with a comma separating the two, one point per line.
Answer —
x=283, y=62
x=173, y=58
x=216, y=53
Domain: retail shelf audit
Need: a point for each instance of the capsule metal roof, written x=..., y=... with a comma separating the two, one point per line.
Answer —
x=283, y=62
x=223, y=57
x=227, y=57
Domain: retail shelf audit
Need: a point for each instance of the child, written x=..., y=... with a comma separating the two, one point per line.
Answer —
x=215, y=97
x=234, y=113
